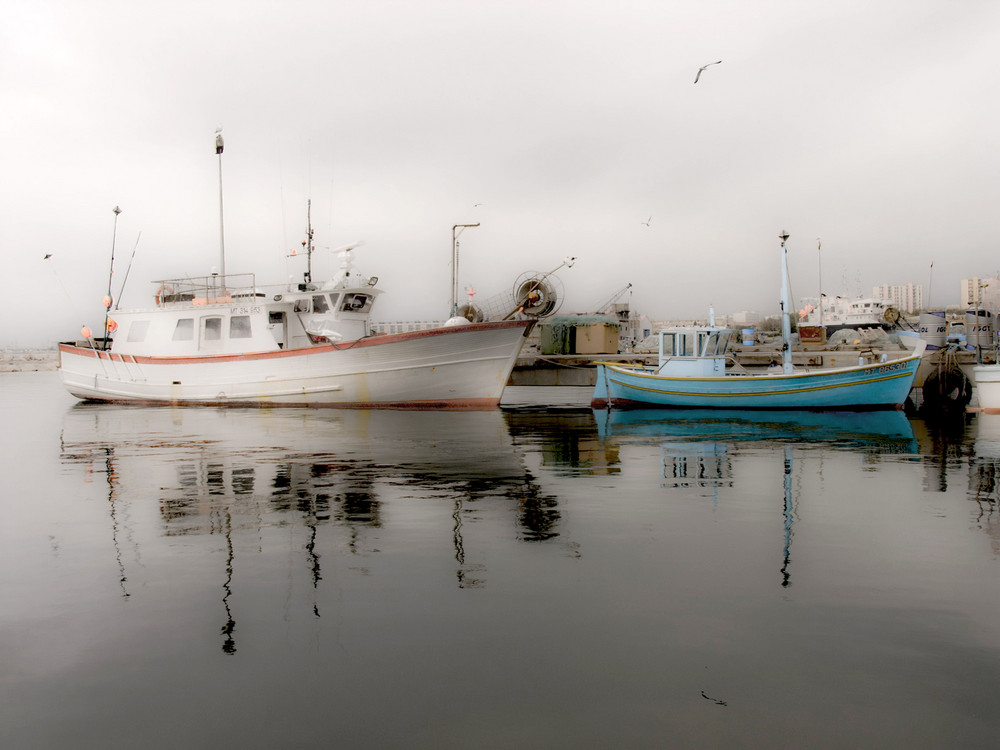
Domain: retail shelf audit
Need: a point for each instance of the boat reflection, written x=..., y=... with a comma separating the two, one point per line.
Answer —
x=984, y=477
x=568, y=442
x=886, y=431
x=241, y=473
x=697, y=446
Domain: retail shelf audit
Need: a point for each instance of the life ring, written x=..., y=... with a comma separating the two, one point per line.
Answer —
x=165, y=290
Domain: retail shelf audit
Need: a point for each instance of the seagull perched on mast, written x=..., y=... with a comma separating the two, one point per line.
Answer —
x=698, y=74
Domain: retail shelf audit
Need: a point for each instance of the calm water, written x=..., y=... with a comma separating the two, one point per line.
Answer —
x=293, y=578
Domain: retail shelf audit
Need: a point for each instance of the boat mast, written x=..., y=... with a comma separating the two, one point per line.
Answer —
x=309, y=242
x=222, y=230
x=454, y=264
x=819, y=261
x=786, y=325
x=111, y=272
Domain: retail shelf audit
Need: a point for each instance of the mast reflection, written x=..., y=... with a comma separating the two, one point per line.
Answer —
x=697, y=445
x=235, y=473
x=91, y=456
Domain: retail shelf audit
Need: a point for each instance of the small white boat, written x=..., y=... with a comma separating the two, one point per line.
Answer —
x=986, y=380
x=695, y=370
x=224, y=340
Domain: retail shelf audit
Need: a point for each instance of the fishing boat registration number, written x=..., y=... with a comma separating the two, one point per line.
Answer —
x=246, y=310
x=889, y=368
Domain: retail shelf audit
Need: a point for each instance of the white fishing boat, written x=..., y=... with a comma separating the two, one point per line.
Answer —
x=227, y=340
x=839, y=313
x=696, y=370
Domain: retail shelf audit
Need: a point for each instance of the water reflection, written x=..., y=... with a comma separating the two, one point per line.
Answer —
x=984, y=477
x=879, y=431
x=233, y=473
x=696, y=446
x=569, y=443
x=945, y=445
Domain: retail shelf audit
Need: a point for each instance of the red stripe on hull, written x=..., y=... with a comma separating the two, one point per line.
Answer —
x=380, y=340
x=467, y=404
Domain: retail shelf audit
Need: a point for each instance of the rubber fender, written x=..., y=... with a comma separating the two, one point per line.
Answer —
x=947, y=388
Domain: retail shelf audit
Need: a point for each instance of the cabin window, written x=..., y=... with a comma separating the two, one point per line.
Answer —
x=677, y=345
x=137, y=331
x=717, y=344
x=356, y=303
x=184, y=330
x=239, y=327
x=213, y=329
x=320, y=305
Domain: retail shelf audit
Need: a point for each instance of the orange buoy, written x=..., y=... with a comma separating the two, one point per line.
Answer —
x=112, y=325
x=85, y=332
x=107, y=301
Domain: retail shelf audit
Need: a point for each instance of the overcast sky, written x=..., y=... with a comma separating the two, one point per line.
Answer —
x=872, y=124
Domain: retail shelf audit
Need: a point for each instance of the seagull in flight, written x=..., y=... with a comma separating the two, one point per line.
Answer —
x=647, y=221
x=698, y=74
x=47, y=256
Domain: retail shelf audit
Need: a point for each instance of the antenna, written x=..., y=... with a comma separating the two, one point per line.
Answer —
x=121, y=291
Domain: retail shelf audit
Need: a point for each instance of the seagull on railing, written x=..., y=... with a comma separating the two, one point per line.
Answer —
x=698, y=74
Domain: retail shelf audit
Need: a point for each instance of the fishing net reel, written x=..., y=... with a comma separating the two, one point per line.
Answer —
x=537, y=295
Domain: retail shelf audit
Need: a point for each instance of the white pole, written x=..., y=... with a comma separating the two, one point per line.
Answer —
x=786, y=325
x=222, y=229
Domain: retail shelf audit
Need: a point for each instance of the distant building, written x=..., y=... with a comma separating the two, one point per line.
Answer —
x=980, y=292
x=970, y=292
x=908, y=298
x=746, y=317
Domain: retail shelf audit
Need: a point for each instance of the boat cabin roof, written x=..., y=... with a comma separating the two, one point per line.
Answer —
x=694, y=341
x=242, y=288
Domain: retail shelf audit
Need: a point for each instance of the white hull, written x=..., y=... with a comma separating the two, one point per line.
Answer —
x=987, y=385
x=456, y=367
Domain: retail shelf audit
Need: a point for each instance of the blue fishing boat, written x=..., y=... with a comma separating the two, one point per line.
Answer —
x=696, y=370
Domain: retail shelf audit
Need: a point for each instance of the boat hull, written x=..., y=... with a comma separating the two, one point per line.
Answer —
x=880, y=385
x=987, y=384
x=461, y=367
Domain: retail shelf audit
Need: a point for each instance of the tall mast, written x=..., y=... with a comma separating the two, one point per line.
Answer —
x=786, y=325
x=819, y=261
x=309, y=242
x=222, y=229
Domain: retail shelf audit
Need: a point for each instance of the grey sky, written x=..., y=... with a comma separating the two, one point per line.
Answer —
x=870, y=123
